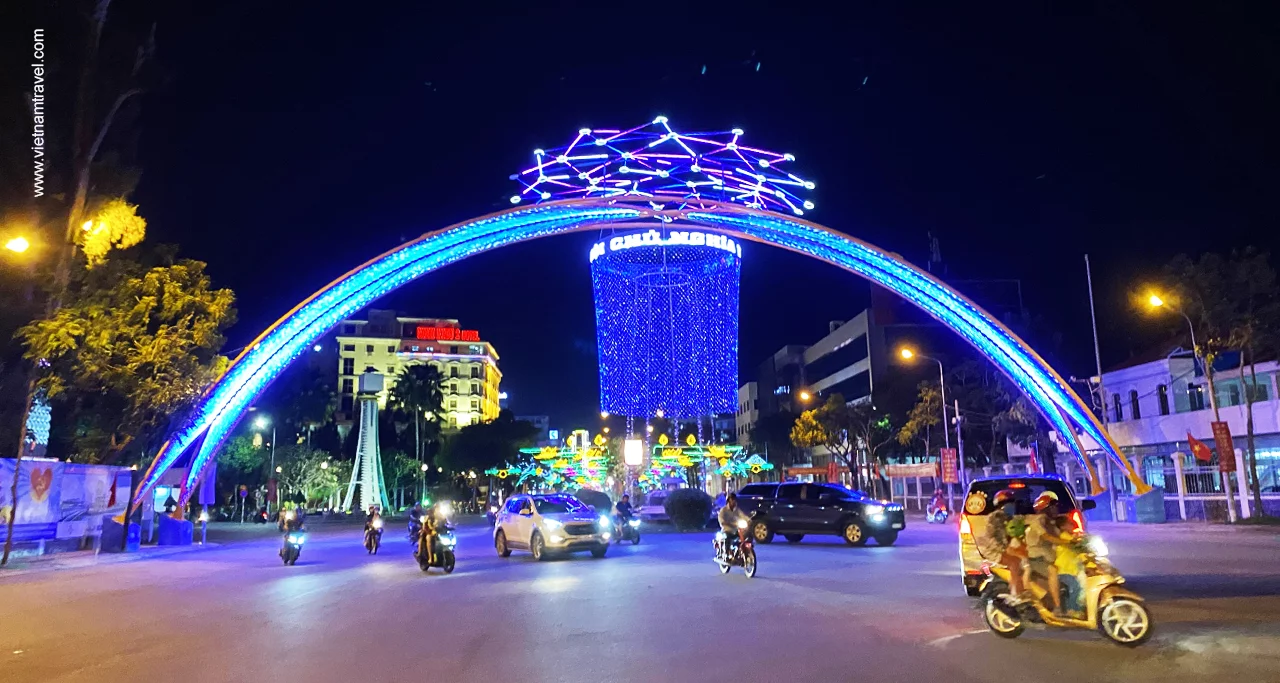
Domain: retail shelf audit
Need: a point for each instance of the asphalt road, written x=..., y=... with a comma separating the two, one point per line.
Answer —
x=656, y=612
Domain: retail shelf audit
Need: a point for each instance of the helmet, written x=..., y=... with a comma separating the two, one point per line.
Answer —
x=1044, y=500
x=1004, y=496
x=731, y=497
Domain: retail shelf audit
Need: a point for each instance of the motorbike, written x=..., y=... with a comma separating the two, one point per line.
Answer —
x=626, y=530
x=293, y=540
x=744, y=555
x=1116, y=612
x=937, y=515
x=373, y=537
x=415, y=528
x=444, y=541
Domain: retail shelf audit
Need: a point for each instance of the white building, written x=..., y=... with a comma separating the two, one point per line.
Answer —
x=840, y=363
x=387, y=343
x=748, y=412
x=1152, y=406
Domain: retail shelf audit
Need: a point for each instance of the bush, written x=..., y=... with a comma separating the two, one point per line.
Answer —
x=688, y=509
x=596, y=499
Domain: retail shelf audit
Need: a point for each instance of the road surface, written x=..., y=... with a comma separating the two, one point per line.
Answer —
x=659, y=611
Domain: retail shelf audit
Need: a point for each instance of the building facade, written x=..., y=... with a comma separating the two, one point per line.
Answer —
x=1151, y=407
x=748, y=413
x=840, y=363
x=387, y=343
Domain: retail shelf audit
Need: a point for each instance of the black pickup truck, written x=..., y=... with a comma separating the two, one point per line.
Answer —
x=795, y=510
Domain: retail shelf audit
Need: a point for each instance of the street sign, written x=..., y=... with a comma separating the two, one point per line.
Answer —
x=244, y=491
x=920, y=469
x=950, y=475
x=831, y=471
x=1226, y=449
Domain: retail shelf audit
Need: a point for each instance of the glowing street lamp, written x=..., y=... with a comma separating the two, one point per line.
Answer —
x=18, y=245
x=261, y=423
x=805, y=396
x=909, y=354
x=604, y=415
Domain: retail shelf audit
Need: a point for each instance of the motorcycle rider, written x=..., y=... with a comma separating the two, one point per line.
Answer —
x=1043, y=537
x=437, y=517
x=996, y=544
x=369, y=522
x=729, y=516
x=624, y=510
x=292, y=522
x=937, y=503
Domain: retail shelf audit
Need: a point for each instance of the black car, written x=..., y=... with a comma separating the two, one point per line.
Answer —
x=795, y=510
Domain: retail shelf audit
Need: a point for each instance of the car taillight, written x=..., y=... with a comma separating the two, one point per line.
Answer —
x=964, y=525
x=1077, y=522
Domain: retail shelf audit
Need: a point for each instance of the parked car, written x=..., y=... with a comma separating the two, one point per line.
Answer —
x=654, y=509
x=550, y=524
x=796, y=509
x=977, y=505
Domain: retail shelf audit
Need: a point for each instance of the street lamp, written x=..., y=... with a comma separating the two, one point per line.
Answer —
x=1156, y=301
x=604, y=415
x=909, y=354
x=261, y=423
x=805, y=396
x=18, y=245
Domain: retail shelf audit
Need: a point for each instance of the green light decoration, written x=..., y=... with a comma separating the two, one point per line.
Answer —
x=568, y=469
x=673, y=462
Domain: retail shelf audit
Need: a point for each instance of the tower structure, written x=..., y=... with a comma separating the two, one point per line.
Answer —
x=367, y=471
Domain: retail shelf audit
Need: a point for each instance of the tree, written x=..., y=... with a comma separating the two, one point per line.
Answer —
x=487, y=444
x=130, y=349
x=417, y=393
x=923, y=417
x=844, y=430
x=301, y=472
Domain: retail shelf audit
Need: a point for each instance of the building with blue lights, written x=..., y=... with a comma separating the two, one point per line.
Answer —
x=667, y=323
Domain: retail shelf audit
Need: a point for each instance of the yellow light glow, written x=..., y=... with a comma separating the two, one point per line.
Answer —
x=17, y=245
x=1155, y=300
x=805, y=396
x=907, y=354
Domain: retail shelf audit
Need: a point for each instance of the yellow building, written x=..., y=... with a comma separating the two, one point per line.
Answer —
x=387, y=343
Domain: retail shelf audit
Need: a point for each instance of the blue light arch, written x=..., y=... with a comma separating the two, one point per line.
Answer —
x=292, y=335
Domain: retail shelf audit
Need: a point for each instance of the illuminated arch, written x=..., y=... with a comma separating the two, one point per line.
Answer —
x=292, y=335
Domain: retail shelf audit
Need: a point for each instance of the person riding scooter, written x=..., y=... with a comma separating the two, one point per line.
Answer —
x=997, y=544
x=624, y=510
x=937, y=504
x=434, y=520
x=729, y=517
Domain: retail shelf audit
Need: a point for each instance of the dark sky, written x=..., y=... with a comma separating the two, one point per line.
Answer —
x=299, y=139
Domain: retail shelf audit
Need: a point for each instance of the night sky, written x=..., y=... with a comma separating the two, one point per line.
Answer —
x=295, y=141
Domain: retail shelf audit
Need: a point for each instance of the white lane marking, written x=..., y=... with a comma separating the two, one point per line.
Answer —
x=940, y=642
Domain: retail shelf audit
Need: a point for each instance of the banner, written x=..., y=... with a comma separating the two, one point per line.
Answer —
x=920, y=469
x=950, y=473
x=1198, y=449
x=59, y=500
x=1226, y=449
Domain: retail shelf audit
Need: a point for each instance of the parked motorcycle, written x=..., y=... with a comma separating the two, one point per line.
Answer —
x=373, y=537
x=1117, y=613
x=626, y=530
x=743, y=555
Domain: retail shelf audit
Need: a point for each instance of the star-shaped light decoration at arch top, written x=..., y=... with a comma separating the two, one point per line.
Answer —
x=666, y=168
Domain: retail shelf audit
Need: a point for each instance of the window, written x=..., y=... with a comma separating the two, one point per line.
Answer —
x=475, y=388
x=1162, y=394
x=348, y=386
x=1259, y=391
x=1233, y=394
x=349, y=329
x=414, y=348
x=1119, y=414
x=348, y=366
x=513, y=505
x=453, y=350
x=349, y=347
x=475, y=404
x=391, y=370
x=453, y=405
x=475, y=371
x=790, y=491
x=1195, y=396
x=453, y=372
x=368, y=349
x=347, y=402
x=1134, y=410
x=391, y=349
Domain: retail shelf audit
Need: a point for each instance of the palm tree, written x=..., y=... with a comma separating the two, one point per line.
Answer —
x=417, y=392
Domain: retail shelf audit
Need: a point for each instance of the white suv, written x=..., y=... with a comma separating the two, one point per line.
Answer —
x=545, y=524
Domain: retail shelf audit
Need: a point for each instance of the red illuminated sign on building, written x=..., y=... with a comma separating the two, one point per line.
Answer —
x=446, y=334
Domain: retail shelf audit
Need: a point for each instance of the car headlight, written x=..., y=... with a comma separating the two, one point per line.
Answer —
x=493, y=509
x=605, y=521
x=634, y=523
x=606, y=535
x=1098, y=547
x=557, y=538
x=553, y=523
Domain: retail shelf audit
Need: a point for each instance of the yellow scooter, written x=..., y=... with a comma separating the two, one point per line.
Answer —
x=1116, y=612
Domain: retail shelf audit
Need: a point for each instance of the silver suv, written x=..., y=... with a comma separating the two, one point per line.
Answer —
x=548, y=524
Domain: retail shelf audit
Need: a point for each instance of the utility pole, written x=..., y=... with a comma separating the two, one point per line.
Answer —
x=964, y=475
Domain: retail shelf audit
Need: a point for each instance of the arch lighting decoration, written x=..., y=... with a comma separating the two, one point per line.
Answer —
x=737, y=216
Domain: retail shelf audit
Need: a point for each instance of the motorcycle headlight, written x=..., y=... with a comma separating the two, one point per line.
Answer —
x=742, y=524
x=446, y=509
x=377, y=524
x=448, y=540
x=1098, y=547
x=423, y=519
x=297, y=539
x=493, y=509
x=634, y=522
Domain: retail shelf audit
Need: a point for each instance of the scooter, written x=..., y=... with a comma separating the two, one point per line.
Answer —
x=373, y=537
x=293, y=540
x=1116, y=612
x=937, y=515
x=443, y=543
x=626, y=530
x=743, y=556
